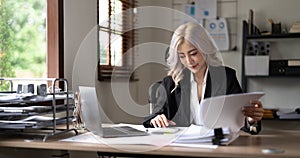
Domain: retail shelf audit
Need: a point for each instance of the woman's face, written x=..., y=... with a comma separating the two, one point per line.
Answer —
x=191, y=58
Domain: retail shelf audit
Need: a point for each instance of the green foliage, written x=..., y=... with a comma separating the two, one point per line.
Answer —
x=29, y=26
x=6, y=41
x=22, y=37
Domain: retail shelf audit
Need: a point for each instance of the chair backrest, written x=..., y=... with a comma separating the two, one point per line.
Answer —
x=153, y=94
x=153, y=89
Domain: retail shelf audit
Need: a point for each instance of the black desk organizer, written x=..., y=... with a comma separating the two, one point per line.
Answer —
x=12, y=121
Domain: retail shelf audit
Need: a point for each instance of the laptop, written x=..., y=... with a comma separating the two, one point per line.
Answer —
x=92, y=119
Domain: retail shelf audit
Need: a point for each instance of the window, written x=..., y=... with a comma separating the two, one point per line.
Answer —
x=31, y=44
x=116, y=37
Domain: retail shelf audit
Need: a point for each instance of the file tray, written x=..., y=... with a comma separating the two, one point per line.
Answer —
x=37, y=115
x=15, y=113
x=32, y=123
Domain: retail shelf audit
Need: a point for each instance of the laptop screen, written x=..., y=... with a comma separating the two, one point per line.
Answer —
x=92, y=117
x=90, y=109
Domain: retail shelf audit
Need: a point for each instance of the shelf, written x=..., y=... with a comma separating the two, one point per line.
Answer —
x=272, y=76
x=287, y=72
x=274, y=36
x=278, y=119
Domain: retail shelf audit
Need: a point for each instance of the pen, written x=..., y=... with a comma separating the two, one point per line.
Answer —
x=165, y=131
x=158, y=132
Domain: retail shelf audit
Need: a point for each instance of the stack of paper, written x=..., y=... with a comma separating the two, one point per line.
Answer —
x=199, y=135
x=285, y=114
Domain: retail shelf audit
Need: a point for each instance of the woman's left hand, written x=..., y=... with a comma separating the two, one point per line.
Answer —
x=254, y=113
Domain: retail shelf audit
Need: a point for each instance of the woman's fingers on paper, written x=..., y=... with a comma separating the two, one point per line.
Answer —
x=256, y=103
x=162, y=120
x=172, y=123
x=254, y=112
x=153, y=122
x=159, y=121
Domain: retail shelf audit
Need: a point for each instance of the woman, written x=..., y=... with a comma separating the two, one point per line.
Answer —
x=196, y=73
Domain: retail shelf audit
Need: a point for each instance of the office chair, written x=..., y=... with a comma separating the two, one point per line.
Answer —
x=153, y=89
x=153, y=95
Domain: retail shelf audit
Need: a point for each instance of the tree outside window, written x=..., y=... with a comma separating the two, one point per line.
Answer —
x=22, y=39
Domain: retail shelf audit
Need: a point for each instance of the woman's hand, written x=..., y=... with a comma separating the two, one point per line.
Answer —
x=254, y=113
x=161, y=121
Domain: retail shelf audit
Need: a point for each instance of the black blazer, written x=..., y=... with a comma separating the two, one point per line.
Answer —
x=176, y=105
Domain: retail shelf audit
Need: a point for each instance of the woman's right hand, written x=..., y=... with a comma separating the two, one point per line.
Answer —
x=161, y=121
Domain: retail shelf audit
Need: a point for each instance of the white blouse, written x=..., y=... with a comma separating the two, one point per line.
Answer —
x=194, y=99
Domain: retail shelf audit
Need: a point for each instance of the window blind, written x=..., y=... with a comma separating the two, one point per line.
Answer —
x=116, y=37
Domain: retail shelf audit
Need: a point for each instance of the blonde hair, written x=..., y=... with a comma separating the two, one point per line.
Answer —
x=196, y=35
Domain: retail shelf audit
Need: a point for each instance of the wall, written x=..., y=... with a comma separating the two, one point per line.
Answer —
x=80, y=19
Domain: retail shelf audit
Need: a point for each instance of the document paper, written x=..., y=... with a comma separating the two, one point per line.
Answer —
x=226, y=111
